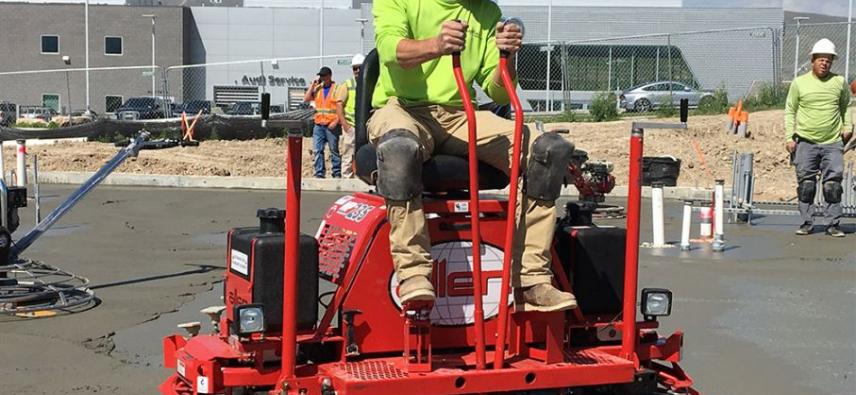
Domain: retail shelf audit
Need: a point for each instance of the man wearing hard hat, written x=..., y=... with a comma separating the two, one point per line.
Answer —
x=346, y=105
x=817, y=122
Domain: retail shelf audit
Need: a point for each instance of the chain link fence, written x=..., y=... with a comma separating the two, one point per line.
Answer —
x=554, y=76
x=235, y=88
x=799, y=38
x=37, y=93
x=679, y=64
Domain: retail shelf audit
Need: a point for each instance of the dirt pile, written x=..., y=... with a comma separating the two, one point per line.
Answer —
x=704, y=149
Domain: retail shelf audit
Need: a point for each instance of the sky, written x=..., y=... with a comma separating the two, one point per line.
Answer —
x=828, y=7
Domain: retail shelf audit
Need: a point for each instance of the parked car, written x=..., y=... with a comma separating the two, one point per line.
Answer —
x=8, y=113
x=244, y=108
x=646, y=97
x=146, y=107
x=192, y=108
x=37, y=112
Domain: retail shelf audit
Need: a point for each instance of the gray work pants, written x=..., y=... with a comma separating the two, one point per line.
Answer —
x=826, y=159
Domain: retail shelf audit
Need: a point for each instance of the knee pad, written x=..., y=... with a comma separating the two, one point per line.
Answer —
x=399, y=165
x=832, y=191
x=548, y=165
x=806, y=191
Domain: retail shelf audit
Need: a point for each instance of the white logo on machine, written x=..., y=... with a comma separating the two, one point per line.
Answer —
x=453, y=283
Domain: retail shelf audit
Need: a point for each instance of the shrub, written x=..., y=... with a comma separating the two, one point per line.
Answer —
x=666, y=109
x=716, y=104
x=768, y=96
x=603, y=107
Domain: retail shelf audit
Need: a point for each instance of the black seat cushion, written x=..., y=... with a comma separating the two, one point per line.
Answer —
x=441, y=173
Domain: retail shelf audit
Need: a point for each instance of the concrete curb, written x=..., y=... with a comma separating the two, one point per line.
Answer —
x=309, y=184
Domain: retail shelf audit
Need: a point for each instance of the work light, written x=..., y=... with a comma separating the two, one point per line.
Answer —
x=656, y=302
x=250, y=318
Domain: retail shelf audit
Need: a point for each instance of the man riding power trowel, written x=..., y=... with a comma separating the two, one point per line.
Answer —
x=419, y=113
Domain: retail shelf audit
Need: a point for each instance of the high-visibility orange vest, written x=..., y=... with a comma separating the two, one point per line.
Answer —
x=325, y=107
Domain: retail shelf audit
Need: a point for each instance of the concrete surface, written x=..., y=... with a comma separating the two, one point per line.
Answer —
x=773, y=314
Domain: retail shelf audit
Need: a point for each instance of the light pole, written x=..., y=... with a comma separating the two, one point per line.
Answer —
x=154, y=90
x=797, y=46
x=321, y=35
x=362, y=22
x=67, y=61
x=849, y=28
x=86, y=27
x=548, y=103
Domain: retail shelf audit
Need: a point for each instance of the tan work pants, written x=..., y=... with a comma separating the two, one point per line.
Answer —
x=346, y=147
x=443, y=130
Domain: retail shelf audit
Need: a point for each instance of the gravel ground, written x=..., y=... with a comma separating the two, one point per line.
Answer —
x=705, y=150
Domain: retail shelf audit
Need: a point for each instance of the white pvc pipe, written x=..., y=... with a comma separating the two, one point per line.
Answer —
x=2, y=164
x=21, y=169
x=657, y=215
x=849, y=31
x=718, y=225
x=687, y=224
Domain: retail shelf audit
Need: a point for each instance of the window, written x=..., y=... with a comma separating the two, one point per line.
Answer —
x=679, y=87
x=50, y=44
x=112, y=103
x=51, y=101
x=113, y=46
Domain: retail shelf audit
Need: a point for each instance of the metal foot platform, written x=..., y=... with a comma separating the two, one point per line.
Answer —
x=453, y=374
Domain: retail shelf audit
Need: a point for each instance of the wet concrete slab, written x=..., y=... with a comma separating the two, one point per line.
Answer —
x=774, y=314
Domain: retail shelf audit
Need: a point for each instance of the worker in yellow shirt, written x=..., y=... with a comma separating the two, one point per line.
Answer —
x=419, y=113
x=346, y=104
x=817, y=123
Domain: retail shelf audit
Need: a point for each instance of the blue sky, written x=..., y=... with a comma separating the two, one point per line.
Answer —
x=828, y=7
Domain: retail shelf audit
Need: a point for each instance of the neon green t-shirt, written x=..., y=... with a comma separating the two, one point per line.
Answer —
x=433, y=82
x=818, y=110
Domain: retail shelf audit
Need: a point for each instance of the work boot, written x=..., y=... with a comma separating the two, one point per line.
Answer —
x=804, y=229
x=544, y=298
x=416, y=288
x=834, y=231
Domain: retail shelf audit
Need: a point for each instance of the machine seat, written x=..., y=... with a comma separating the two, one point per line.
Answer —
x=441, y=173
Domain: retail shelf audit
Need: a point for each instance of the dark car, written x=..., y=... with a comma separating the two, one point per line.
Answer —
x=141, y=108
x=244, y=108
x=192, y=108
x=8, y=113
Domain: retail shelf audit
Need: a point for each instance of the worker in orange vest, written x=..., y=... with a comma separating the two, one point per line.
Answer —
x=327, y=129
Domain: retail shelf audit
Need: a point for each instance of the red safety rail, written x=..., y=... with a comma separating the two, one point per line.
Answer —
x=502, y=319
x=631, y=257
x=474, y=207
x=292, y=257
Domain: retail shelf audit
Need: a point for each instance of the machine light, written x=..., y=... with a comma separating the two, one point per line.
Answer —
x=250, y=319
x=656, y=302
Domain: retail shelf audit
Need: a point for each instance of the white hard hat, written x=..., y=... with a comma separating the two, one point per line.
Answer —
x=824, y=47
x=357, y=60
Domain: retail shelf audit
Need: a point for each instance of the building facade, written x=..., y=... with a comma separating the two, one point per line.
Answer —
x=39, y=37
x=234, y=50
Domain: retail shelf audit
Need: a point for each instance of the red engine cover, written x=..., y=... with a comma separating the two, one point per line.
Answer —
x=354, y=253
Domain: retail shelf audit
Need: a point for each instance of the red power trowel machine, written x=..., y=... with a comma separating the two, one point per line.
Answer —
x=270, y=339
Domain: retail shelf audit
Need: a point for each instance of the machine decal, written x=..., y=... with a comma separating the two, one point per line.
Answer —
x=179, y=367
x=462, y=207
x=240, y=263
x=354, y=211
x=202, y=385
x=453, y=283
